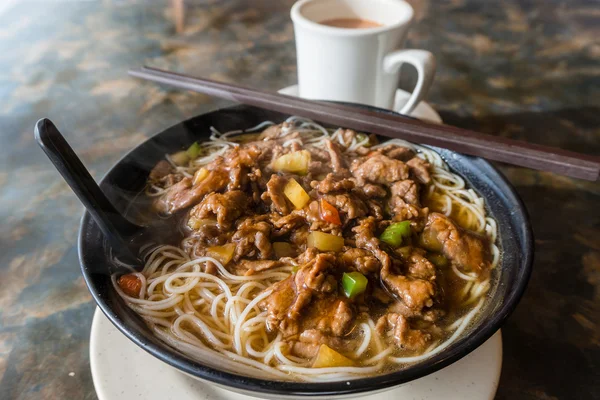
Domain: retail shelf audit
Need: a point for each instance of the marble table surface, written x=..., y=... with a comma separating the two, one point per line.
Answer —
x=524, y=69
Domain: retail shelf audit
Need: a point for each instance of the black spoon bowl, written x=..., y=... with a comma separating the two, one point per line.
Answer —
x=130, y=175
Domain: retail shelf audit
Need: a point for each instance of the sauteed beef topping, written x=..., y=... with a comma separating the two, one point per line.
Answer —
x=335, y=156
x=404, y=200
x=420, y=169
x=252, y=238
x=377, y=168
x=415, y=293
x=398, y=326
x=467, y=249
x=309, y=300
x=349, y=207
x=372, y=191
x=333, y=183
x=250, y=266
x=274, y=193
x=397, y=152
x=226, y=207
x=348, y=199
x=360, y=260
x=160, y=170
x=418, y=266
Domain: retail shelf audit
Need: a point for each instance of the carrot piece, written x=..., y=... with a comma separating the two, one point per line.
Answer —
x=329, y=213
x=130, y=284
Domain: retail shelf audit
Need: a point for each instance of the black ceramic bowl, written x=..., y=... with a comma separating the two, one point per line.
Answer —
x=127, y=178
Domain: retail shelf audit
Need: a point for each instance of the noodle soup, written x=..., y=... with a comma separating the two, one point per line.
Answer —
x=312, y=254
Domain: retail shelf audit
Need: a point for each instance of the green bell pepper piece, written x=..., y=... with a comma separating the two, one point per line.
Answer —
x=193, y=151
x=354, y=283
x=395, y=233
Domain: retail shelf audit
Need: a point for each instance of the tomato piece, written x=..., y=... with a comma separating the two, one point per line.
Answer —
x=329, y=213
x=130, y=284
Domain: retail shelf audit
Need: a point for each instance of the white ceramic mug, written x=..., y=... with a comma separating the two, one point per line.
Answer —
x=357, y=65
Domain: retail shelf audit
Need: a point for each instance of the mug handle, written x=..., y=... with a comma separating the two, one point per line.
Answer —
x=424, y=62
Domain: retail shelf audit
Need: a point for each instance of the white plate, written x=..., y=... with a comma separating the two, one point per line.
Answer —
x=422, y=110
x=123, y=371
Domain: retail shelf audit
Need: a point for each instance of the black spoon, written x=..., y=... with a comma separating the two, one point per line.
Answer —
x=123, y=235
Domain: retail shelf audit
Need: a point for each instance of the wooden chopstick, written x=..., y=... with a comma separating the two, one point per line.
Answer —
x=495, y=148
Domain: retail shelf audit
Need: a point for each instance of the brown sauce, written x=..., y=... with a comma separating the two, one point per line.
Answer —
x=244, y=213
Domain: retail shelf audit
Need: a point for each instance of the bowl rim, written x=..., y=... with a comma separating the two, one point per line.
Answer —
x=252, y=385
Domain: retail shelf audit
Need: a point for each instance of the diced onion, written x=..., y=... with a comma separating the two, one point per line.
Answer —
x=328, y=358
x=224, y=253
x=325, y=241
x=295, y=162
x=296, y=194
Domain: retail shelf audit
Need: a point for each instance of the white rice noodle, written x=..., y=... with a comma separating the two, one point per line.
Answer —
x=154, y=191
x=462, y=275
x=366, y=331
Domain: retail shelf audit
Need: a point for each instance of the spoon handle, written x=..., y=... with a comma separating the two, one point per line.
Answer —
x=115, y=227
